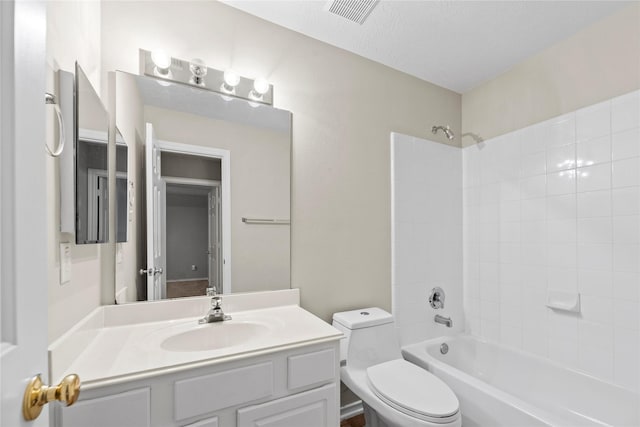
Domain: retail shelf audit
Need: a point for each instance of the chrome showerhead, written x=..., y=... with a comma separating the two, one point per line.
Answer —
x=447, y=131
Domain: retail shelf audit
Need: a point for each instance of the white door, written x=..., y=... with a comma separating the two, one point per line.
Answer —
x=156, y=196
x=23, y=207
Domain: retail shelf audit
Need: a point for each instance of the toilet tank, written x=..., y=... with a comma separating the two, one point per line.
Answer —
x=370, y=337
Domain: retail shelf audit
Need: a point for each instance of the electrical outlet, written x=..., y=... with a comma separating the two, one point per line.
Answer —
x=194, y=267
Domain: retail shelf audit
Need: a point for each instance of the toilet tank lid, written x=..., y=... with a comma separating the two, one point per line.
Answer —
x=362, y=318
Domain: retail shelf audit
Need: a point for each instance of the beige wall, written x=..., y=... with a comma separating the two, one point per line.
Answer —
x=597, y=63
x=73, y=34
x=260, y=188
x=344, y=108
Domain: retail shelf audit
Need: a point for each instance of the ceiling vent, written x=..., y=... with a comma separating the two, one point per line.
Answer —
x=353, y=10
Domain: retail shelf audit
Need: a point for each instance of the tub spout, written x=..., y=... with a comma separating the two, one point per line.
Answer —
x=446, y=321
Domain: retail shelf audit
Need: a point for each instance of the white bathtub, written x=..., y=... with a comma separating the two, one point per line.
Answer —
x=500, y=386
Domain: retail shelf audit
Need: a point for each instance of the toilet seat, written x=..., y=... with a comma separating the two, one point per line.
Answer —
x=413, y=391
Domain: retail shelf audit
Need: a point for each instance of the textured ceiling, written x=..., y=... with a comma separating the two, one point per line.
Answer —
x=454, y=44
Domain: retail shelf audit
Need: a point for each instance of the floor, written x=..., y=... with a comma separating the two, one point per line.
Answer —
x=357, y=421
x=187, y=288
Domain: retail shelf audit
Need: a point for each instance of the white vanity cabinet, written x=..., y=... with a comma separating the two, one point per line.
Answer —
x=298, y=386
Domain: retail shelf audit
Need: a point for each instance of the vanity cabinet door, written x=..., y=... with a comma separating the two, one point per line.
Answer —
x=313, y=368
x=313, y=408
x=129, y=409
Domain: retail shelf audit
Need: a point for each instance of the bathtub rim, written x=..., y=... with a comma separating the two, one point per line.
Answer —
x=518, y=351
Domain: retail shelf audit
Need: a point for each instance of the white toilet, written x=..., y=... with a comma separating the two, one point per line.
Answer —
x=394, y=392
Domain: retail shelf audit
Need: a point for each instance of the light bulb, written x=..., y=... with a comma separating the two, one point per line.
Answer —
x=261, y=85
x=161, y=60
x=231, y=78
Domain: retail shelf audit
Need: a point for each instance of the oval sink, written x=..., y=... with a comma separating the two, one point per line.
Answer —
x=214, y=336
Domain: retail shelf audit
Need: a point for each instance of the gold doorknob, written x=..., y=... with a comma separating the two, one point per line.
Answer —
x=37, y=395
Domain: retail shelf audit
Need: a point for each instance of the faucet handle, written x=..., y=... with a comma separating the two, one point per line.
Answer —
x=211, y=292
x=215, y=301
x=436, y=298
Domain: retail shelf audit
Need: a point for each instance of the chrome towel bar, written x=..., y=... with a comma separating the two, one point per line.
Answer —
x=266, y=221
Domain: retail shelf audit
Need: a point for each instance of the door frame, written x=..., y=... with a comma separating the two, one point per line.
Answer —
x=213, y=186
x=225, y=196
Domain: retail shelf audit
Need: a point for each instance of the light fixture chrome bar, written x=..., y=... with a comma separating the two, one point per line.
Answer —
x=213, y=80
x=266, y=221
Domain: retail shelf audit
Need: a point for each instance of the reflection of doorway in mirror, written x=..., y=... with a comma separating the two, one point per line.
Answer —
x=193, y=240
x=181, y=171
x=97, y=207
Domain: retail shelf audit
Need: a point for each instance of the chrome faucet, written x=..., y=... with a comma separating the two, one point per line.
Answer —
x=215, y=313
x=446, y=321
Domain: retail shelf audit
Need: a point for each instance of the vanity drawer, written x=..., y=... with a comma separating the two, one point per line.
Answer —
x=311, y=368
x=129, y=409
x=201, y=395
x=313, y=408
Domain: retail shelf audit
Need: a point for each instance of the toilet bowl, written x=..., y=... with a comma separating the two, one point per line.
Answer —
x=394, y=392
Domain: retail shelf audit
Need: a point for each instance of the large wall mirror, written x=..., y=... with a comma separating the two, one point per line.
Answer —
x=210, y=192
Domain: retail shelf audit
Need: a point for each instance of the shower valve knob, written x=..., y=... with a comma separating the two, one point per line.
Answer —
x=436, y=298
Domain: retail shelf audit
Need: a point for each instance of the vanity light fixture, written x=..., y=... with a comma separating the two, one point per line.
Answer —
x=195, y=73
x=198, y=70
x=162, y=63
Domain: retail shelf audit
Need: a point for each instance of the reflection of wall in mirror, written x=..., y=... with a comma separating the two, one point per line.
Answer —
x=260, y=187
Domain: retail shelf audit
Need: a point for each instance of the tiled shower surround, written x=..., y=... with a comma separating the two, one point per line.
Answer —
x=556, y=206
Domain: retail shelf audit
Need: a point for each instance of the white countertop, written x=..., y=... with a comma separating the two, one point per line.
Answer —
x=106, y=348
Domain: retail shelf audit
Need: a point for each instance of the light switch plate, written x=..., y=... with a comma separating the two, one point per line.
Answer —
x=65, y=263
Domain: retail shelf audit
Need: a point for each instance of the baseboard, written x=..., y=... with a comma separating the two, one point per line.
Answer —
x=351, y=410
